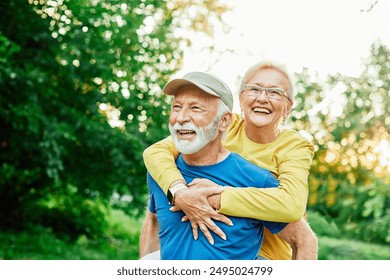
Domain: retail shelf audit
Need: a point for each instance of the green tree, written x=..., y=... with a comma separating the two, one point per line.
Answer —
x=348, y=118
x=80, y=100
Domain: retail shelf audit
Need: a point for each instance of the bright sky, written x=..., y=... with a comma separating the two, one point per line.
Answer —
x=325, y=36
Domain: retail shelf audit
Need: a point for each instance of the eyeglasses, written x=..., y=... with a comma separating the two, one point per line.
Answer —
x=272, y=93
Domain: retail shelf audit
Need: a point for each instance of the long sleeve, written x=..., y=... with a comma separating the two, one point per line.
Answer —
x=159, y=159
x=289, y=159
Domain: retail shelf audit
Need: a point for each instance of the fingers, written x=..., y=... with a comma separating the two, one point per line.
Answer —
x=207, y=234
x=194, y=230
x=206, y=227
x=214, y=228
x=184, y=219
x=223, y=219
x=199, y=212
x=174, y=208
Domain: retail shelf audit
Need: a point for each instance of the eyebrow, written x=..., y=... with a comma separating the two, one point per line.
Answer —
x=265, y=86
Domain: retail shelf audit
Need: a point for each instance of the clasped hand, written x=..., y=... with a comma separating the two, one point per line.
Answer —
x=199, y=202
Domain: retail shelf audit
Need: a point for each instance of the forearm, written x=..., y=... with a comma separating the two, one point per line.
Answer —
x=149, y=240
x=287, y=203
x=159, y=159
x=302, y=240
x=270, y=204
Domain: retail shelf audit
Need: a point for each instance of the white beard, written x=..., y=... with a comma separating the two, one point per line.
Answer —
x=203, y=136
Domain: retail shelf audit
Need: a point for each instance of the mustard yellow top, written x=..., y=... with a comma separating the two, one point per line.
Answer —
x=288, y=157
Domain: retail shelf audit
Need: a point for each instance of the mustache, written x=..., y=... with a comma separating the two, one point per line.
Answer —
x=186, y=126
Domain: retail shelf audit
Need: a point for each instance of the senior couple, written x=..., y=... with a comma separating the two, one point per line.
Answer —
x=241, y=180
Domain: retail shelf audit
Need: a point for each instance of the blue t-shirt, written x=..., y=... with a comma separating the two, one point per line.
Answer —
x=244, y=238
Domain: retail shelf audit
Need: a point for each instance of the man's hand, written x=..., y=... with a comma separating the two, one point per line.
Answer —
x=193, y=202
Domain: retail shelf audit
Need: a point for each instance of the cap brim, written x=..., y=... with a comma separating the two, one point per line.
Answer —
x=173, y=86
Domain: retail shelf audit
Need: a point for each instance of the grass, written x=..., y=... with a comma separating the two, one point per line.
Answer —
x=331, y=247
x=42, y=244
x=344, y=249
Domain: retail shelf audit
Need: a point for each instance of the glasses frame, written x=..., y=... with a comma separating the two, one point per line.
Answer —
x=261, y=89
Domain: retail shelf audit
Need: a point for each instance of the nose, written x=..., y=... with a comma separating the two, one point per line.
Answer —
x=262, y=95
x=182, y=116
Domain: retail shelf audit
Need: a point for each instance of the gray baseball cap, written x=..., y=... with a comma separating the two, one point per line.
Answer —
x=208, y=83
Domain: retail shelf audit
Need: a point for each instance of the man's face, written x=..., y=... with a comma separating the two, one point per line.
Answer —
x=191, y=121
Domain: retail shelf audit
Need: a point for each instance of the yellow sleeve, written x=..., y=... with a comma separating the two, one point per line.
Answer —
x=287, y=203
x=159, y=159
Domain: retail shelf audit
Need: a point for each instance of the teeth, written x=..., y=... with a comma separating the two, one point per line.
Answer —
x=186, y=131
x=261, y=110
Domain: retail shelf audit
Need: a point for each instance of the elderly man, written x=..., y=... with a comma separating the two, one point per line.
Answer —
x=200, y=113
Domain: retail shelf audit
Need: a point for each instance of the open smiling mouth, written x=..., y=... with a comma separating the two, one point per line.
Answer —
x=186, y=132
x=261, y=110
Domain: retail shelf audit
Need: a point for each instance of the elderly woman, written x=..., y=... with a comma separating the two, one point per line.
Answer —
x=266, y=99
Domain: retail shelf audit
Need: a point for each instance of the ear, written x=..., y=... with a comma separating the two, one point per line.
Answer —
x=225, y=121
x=287, y=110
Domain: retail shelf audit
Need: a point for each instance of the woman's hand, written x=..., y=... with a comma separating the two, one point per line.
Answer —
x=213, y=199
x=193, y=201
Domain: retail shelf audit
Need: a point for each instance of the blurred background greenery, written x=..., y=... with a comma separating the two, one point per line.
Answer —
x=81, y=99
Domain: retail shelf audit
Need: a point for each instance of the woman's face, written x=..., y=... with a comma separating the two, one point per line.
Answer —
x=262, y=114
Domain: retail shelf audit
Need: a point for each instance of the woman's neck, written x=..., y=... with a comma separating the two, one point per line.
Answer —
x=261, y=135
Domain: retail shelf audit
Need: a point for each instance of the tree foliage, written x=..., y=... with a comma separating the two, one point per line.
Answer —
x=80, y=100
x=348, y=118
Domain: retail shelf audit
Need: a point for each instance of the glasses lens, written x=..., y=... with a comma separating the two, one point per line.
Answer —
x=275, y=93
x=253, y=90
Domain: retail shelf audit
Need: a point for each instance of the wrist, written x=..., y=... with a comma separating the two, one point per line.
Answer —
x=173, y=190
x=215, y=201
